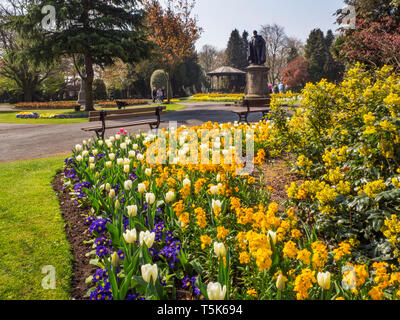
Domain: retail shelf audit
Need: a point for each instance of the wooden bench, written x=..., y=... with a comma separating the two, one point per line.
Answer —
x=121, y=104
x=252, y=106
x=104, y=116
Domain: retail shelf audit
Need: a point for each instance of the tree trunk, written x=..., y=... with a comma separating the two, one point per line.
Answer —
x=28, y=93
x=89, y=83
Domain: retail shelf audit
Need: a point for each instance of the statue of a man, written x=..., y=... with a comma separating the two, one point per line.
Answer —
x=257, y=50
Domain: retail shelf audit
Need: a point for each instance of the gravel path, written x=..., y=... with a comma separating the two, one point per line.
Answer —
x=31, y=141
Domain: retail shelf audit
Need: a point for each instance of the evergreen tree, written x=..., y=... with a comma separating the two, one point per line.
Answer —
x=93, y=32
x=235, y=53
x=333, y=69
x=316, y=54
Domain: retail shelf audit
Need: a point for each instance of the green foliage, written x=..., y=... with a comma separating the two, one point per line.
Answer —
x=159, y=80
x=321, y=61
x=236, y=51
x=99, y=90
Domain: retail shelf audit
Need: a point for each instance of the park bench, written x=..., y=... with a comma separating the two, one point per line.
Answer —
x=103, y=116
x=252, y=106
x=121, y=104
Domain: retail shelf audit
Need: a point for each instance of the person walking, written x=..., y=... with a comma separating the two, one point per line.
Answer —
x=281, y=88
x=163, y=95
x=154, y=94
x=275, y=89
x=159, y=95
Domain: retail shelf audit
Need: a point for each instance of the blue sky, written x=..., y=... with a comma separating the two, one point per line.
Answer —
x=219, y=17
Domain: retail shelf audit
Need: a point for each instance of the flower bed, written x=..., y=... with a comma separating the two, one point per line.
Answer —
x=218, y=97
x=130, y=102
x=34, y=115
x=46, y=105
x=216, y=234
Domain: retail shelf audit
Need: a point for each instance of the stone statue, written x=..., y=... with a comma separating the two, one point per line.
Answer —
x=257, y=50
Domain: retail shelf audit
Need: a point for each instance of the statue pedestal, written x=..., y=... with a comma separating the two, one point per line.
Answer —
x=257, y=83
x=82, y=94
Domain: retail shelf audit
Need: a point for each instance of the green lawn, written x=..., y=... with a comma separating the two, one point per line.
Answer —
x=10, y=116
x=32, y=231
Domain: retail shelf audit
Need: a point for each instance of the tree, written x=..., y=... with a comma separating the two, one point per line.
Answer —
x=159, y=80
x=296, y=75
x=207, y=58
x=316, y=54
x=174, y=31
x=16, y=63
x=277, y=50
x=376, y=39
x=92, y=32
x=236, y=53
x=99, y=89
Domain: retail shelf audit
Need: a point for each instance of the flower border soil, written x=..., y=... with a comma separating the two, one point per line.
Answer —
x=77, y=233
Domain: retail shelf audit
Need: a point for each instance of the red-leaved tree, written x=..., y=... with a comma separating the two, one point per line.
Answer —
x=296, y=73
x=375, y=43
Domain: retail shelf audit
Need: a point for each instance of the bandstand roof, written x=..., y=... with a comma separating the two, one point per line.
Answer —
x=226, y=71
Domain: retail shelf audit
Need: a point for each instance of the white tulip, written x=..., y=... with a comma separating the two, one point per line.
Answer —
x=324, y=280
x=108, y=164
x=215, y=291
x=140, y=157
x=84, y=142
x=272, y=235
x=132, y=210
x=130, y=236
x=112, y=138
x=117, y=204
x=186, y=183
x=111, y=156
x=147, y=237
x=100, y=142
x=127, y=161
x=91, y=159
x=149, y=273
x=148, y=172
x=214, y=190
x=117, y=137
x=95, y=152
x=108, y=187
x=123, y=146
x=169, y=197
x=126, y=168
x=92, y=166
x=150, y=198
x=85, y=153
x=128, y=185
x=219, y=249
x=112, y=194
x=78, y=148
x=132, y=154
x=135, y=147
x=120, y=161
x=216, y=204
x=79, y=158
x=141, y=188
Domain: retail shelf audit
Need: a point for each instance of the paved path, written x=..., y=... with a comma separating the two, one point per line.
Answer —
x=30, y=141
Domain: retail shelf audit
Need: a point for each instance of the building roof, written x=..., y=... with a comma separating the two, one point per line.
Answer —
x=226, y=71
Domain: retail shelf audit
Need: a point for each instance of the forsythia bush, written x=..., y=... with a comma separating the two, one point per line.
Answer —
x=347, y=138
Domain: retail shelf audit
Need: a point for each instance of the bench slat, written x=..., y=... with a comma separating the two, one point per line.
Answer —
x=123, y=116
x=130, y=124
x=113, y=112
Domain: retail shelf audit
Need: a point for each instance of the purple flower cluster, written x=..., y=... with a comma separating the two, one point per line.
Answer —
x=78, y=188
x=189, y=283
x=34, y=115
x=99, y=226
x=171, y=252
